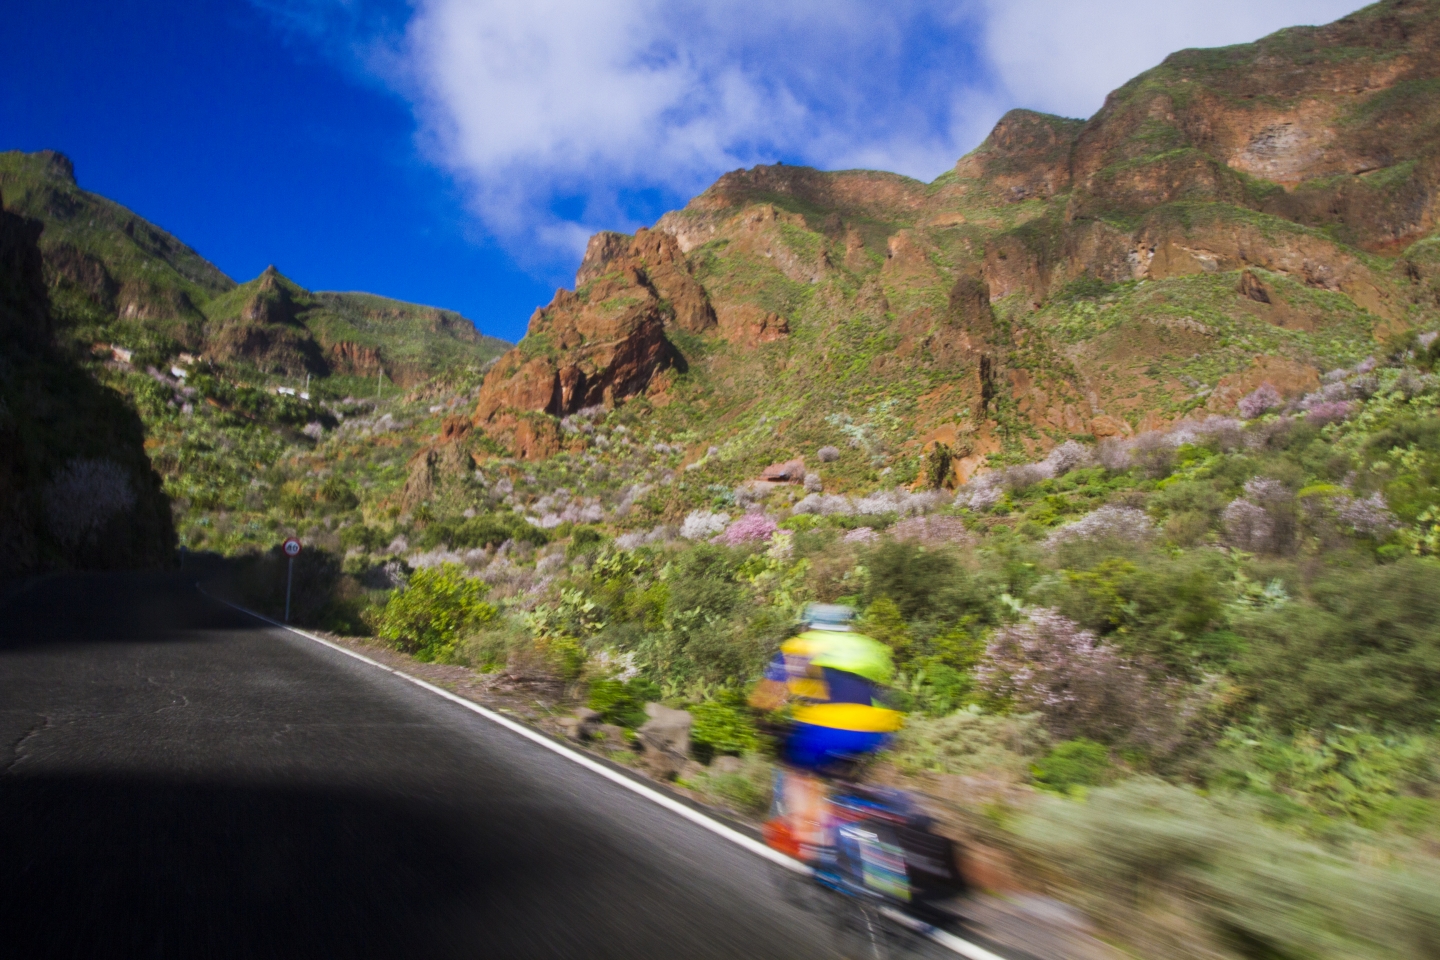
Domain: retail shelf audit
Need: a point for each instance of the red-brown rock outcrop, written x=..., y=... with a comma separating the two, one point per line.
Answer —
x=602, y=343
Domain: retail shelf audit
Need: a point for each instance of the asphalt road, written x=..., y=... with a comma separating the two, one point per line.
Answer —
x=180, y=780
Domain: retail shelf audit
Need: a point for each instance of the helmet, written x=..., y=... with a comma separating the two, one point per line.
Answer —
x=828, y=616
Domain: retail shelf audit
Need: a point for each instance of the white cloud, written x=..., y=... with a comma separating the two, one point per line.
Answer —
x=528, y=104
x=1063, y=56
x=558, y=98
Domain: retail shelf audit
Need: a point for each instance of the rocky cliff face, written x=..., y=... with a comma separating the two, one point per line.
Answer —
x=1260, y=211
x=600, y=344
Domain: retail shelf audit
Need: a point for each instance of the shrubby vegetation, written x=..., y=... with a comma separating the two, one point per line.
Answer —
x=428, y=616
x=1236, y=619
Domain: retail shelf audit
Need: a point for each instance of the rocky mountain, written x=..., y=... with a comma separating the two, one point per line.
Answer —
x=112, y=275
x=1256, y=213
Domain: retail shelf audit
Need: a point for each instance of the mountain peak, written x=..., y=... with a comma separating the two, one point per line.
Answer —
x=57, y=166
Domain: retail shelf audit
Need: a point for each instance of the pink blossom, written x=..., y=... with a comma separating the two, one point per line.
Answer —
x=1068, y=456
x=1265, y=397
x=751, y=528
x=1081, y=685
x=1326, y=412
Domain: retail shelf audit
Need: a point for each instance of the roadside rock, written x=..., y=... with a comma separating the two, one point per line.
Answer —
x=727, y=764
x=582, y=725
x=665, y=738
x=612, y=735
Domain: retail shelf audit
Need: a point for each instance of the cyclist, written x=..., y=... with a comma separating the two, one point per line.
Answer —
x=829, y=677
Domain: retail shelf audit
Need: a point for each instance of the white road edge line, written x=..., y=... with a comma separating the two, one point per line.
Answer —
x=963, y=947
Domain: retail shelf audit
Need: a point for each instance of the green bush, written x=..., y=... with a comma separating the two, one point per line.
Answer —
x=721, y=727
x=941, y=689
x=1348, y=774
x=336, y=492
x=1364, y=646
x=486, y=530
x=367, y=538
x=748, y=791
x=583, y=540
x=430, y=615
x=1072, y=764
x=1166, y=610
x=620, y=702
x=926, y=585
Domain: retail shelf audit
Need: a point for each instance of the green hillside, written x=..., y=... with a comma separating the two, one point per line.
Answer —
x=113, y=277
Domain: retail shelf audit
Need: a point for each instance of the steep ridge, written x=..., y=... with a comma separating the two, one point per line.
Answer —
x=1253, y=213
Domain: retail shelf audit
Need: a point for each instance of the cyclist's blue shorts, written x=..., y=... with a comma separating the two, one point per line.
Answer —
x=812, y=746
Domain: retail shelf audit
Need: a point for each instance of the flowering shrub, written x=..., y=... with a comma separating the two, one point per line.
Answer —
x=641, y=538
x=1108, y=523
x=702, y=524
x=1326, y=412
x=901, y=502
x=829, y=454
x=1329, y=393
x=1070, y=455
x=1223, y=432
x=751, y=528
x=1271, y=533
x=1264, y=397
x=981, y=493
x=877, y=503
x=1114, y=454
x=861, y=535
x=84, y=495
x=1154, y=453
x=1081, y=686
x=1248, y=527
x=1370, y=517
x=1027, y=475
x=825, y=506
x=813, y=484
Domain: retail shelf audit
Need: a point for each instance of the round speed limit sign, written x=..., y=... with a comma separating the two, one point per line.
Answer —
x=291, y=547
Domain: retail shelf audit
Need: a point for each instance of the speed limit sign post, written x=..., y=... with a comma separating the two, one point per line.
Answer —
x=291, y=547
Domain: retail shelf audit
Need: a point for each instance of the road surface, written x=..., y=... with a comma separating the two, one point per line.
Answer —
x=180, y=780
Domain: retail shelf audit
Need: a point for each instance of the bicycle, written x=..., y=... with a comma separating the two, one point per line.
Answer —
x=880, y=877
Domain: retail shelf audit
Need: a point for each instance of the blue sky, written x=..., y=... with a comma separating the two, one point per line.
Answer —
x=459, y=152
